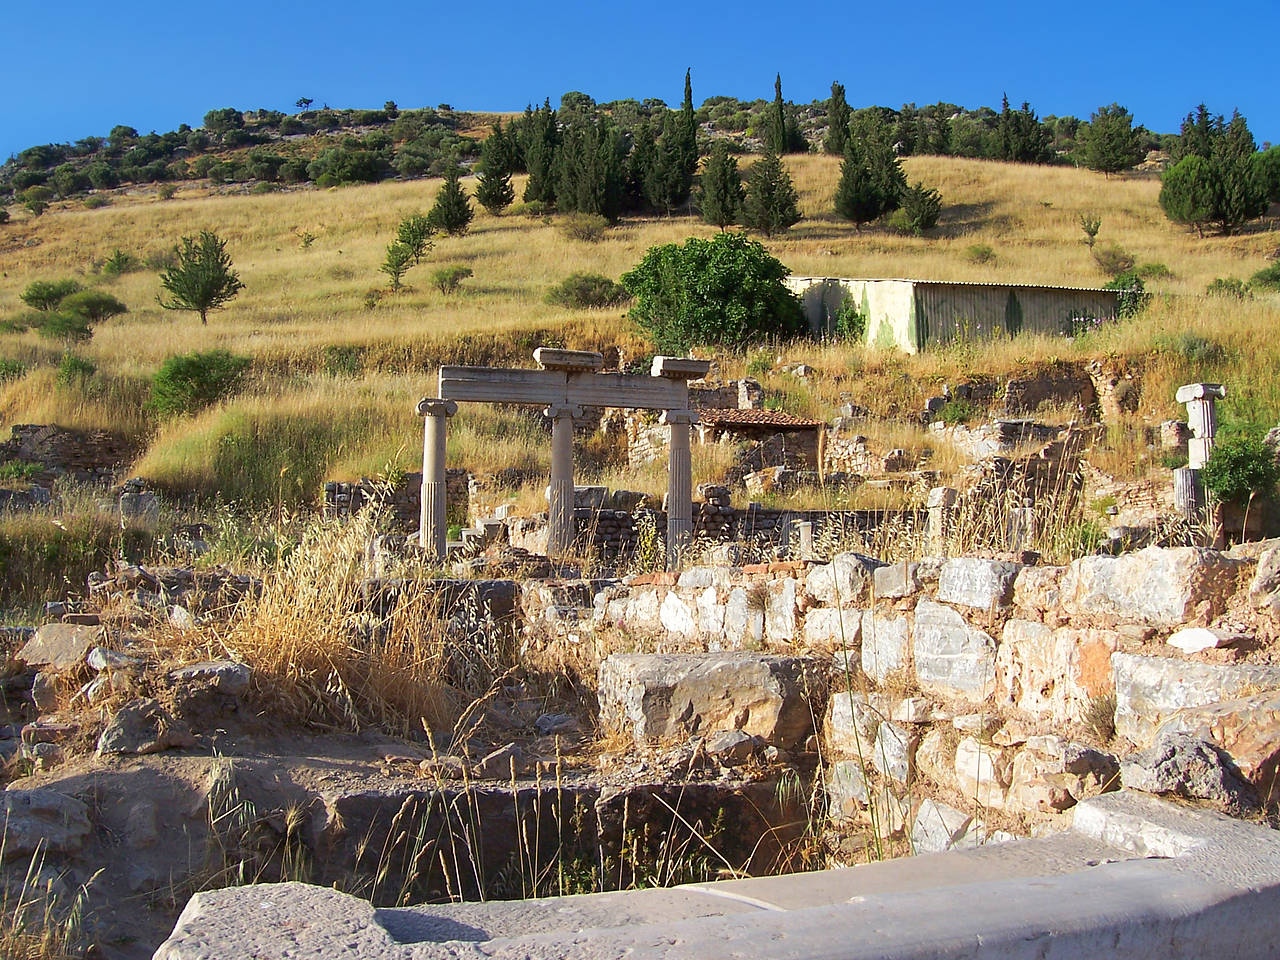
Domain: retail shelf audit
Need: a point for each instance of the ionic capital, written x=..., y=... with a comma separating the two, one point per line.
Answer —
x=570, y=410
x=679, y=417
x=435, y=407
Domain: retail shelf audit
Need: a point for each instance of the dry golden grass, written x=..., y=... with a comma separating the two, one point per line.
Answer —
x=298, y=302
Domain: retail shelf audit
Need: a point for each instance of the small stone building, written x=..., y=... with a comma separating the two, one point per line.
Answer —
x=799, y=438
x=914, y=315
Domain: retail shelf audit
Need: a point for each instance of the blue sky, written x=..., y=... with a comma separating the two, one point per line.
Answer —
x=78, y=68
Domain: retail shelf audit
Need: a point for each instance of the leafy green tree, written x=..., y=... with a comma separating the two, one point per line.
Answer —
x=1269, y=173
x=1110, y=143
x=47, y=294
x=203, y=278
x=452, y=211
x=837, y=121
x=224, y=120
x=726, y=290
x=1189, y=192
x=1218, y=178
x=771, y=205
x=397, y=262
x=416, y=233
x=722, y=194
x=1020, y=136
x=448, y=279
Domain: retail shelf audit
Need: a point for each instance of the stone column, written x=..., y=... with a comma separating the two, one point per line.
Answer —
x=432, y=527
x=805, y=527
x=679, y=484
x=1202, y=417
x=560, y=493
x=941, y=502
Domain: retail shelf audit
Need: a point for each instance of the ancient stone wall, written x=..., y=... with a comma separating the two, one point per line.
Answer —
x=402, y=499
x=84, y=456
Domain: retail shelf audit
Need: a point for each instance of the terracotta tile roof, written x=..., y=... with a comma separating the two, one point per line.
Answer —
x=755, y=418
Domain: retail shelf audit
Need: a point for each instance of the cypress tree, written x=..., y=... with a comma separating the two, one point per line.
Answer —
x=771, y=205
x=670, y=178
x=1111, y=144
x=858, y=198
x=776, y=134
x=837, y=121
x=1243, y=193
x=1189, y=192
x=722, y=193
x=541, y=143
x=452, y=211
x=689, y=128
x=639, y=167
x=497, y=160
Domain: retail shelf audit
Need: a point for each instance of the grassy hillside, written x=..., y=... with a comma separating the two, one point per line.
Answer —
x=306, y=309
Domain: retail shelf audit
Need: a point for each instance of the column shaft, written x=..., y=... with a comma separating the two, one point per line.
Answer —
x=432, y=524
x=560, y=494
x=679, y=488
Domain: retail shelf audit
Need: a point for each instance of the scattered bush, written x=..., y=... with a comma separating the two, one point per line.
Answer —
x=921, y=207
x=97, y=201
x=587, y=227
x=959, y=411
x=397, y=263
x=119, y=262
x=760, y=364
x=191, y=381
x=1240, y=468
x=416, y=233
x=1153, y=271
x=980, y=253
x=1228, y=288
x=1191, y=348
x=531, y=209
x=851, y=322
x=65, y=326
x=587, y=291
x=726, y=290
x=449, y=279
x=1268, y=278
x=11, y=369
x=343, y=360
x=73, y=370
x=1090, y=223
x=94, y=305
x=372, y=297
x=1113, y=259
x=47, y=294
x=1133, y=297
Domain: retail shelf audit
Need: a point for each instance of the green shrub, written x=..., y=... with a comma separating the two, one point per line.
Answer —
x=1113, y=259
x=94, y=305
x=1191, y=348
x=851, y=322
x=191, y=381
x=448, y=279
x=921, y=207
x=11, y=369
x=47, y=294
x=1229, y=288
x=959, y=411
x=587, y=291
x=1268, y=278
x=725, y=290
x=531, y=209
x=119, y=262
x=1153, y=271
x=97, y=201
x=587, y=227
x=1133, y=297
x=1241, y=467
x=19, y=470
x=4, y=215
x=73, y=370
x=760, y=364
x=343, y=360
x=898, y=222
x=64, y=325
x=979, y=253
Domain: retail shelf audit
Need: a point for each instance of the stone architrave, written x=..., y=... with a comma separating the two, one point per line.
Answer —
x=567, y=381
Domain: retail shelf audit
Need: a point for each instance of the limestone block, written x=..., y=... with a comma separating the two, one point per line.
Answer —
x=780, y=611
x=845, y=581
x=710, y=612
x=894, y=752
x=891, y=812
x=852, y=720
x=912, y=710
x=44, y=692
x=653, y=696
x=42, y=820
x=743, y=622
x=1195, y=639
x=1157, y=585
x=1050, y=671
x=677, y=617
x=951, y=656
x=975, y=582
x=1183, y=765
x=847, y=790
x=225, y=676
x=897, y=580
x=884, y=644
x=1052, y=774
x=935, y=757
x=60, y=646
x=143, y=726
x=938, y=827
x=699, y=578
x=1149, y=690
x=1038, y=589
x=979, y=774
x=833, y=627
x=642, y=613
x=1266, y=579
x=1248, y=729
